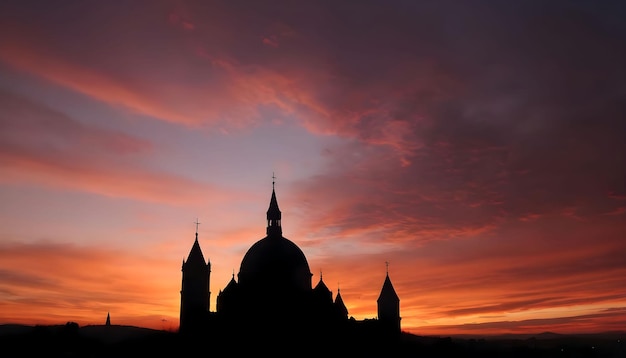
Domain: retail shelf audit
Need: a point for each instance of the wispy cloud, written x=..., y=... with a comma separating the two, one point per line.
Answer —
x=36, y=278
x=45, y=147
x=479, y=150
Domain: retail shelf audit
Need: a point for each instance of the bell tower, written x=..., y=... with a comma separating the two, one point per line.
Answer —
x=194, y=294
x=389, y=306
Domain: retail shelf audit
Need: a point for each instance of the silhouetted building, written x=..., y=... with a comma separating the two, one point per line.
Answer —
x=108, y=322
x=194, y=294
x=389, y=307
x=273, y=286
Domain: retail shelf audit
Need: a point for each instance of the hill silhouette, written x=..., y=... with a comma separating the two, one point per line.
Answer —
x=70, y=340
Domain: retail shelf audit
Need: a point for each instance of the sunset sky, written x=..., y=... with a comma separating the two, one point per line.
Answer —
x=476, y=146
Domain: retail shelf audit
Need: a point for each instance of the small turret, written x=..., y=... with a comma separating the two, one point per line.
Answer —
x=340, y=307
x=273, y=216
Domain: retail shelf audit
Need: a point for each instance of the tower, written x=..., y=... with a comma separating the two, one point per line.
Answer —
x=389, y=307
x=195, y=295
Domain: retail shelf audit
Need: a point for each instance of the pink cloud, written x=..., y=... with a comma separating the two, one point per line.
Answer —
x=89, y=82
x=470, y=160
x=271, y=41
x=177, y=20
x=45, y=147
x=232, y=95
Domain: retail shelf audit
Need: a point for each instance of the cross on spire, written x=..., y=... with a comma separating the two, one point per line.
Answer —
x=273, y=180
x=197, y=223
x=387, y=267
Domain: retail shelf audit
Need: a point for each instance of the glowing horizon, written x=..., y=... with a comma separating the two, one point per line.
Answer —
x=478, y=150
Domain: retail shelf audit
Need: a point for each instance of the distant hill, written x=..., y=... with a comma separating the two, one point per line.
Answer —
x=541, y=336
x=105, y=334
x=15, y=329
x=116, y=333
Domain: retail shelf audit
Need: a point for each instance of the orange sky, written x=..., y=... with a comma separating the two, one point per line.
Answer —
x=476, y=148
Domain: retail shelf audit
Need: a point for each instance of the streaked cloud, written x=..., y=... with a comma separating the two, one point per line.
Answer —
x=478, y=150
x=45, y=147
x=37, y=277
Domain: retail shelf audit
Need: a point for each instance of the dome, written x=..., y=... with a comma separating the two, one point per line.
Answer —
x=275, y=262
x=274, y=265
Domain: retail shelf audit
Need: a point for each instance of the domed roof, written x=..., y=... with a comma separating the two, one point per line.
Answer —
x=274, y=261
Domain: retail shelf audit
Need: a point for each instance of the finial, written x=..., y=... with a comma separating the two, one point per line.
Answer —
x=320, y=274
x=197, y=223
x=387, y=267
x=233, y=274
x=273, y=180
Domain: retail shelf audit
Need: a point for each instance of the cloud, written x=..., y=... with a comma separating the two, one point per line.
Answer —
x=610, y=320
x=480, y=145
x=487, y=130
x=508, y=274
x=45, y=147
x=33, y=124
x=270, y=41
x=52, y=283
x=210, y=80
x=101, y=86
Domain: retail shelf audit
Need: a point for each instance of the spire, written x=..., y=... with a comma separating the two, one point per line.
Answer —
x=321, y=286
x=340, y=306
x=108, y=322
x=195, y=258
x=388, y=293
x=274, y=215
x=322, y=291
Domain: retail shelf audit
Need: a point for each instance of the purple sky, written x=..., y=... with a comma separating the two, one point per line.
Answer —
x=476, y=146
